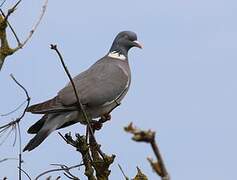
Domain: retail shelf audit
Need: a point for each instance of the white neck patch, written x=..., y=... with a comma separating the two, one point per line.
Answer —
x=117, y=55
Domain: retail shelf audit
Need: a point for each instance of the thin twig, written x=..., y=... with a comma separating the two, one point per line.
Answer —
x=63, y=168
x=121, y=169
x=44, y=7
x=81, y=146
x=80, y=106
x=12, y=29
x=10, y=11
x=6, y=159
x=27, y=175
x=20, y=151
x=2, y=3
x=8, y=134
x=67, y=171
x=27, y=105
x=27, y=97
x=68, y=142
x=14, y=110
x=5, y=49
x=16, y=126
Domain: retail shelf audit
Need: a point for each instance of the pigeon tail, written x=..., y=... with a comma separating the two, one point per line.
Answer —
x=47, y=124
x=37, y=140
x=35, y=128
x=44, y=126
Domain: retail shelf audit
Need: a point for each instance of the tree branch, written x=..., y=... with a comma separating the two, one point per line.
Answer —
x=80, y=106
x=149, y=137
x=16, y=126
x=44, y=7
x=124, y=175
x=81, y=145
x=5, y=49
x=100, y=165
x=62, y=168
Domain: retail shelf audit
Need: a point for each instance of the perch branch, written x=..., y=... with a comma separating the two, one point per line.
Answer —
x=100, y=165
x=81, y=145
x=80, y=106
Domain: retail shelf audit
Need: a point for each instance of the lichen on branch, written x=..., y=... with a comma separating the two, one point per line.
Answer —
x=5, y=49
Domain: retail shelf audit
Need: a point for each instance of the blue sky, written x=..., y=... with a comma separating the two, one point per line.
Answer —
x=183, y=82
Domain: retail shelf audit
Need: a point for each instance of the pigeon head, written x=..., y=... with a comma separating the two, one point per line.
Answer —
x=124, y=41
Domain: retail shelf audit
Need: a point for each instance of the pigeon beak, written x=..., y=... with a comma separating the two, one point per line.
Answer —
x=137, y=44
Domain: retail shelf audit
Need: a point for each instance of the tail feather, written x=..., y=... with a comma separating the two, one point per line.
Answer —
x=49, y=125
x=37, y=140
x=35, y=128
x=44, y=127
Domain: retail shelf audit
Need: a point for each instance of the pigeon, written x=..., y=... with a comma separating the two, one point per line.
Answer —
x=100, y=88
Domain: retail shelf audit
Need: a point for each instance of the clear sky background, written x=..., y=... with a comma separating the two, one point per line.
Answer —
x=183, y=82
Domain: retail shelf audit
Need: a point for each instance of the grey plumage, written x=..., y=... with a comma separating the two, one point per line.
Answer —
x=100, y=87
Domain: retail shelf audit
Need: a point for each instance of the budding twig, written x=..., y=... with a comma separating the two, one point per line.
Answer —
x=149, y=137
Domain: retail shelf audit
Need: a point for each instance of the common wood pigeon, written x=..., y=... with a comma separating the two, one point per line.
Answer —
x=100, y=88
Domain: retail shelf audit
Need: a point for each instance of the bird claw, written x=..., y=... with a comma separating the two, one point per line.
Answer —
x=105, y=117
x=98, y=124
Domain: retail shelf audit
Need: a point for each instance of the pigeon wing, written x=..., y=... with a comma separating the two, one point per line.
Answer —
x=100, y=84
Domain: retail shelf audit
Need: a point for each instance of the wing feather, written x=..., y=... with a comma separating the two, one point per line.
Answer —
x=100, y=84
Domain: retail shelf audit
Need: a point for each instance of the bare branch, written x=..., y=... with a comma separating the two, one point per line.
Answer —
x=27, y=97
x=3, y=2
x=5, y=49
x=11, y=10
x=17, y=120
x=62, y=168
x=81, y=145
x=16, y=126
x=100, y=165
x=27, y=175
x=149, y=137
x=67, y=170
x=20, y=151
x=14, y=110
x=121, y=169
x=80, y=106
x=8, y=23
x=44, y=7
x=7, y=159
